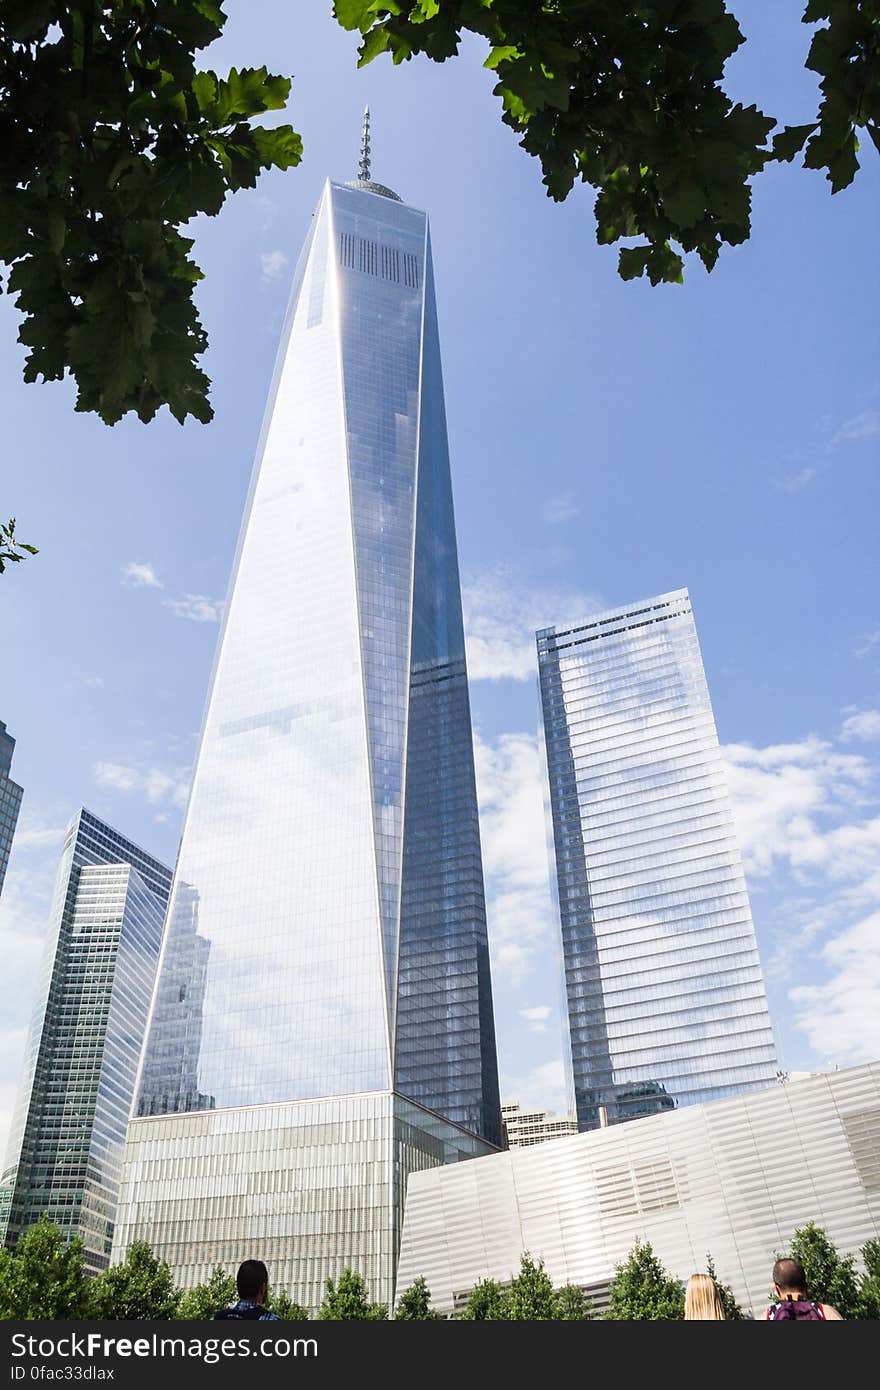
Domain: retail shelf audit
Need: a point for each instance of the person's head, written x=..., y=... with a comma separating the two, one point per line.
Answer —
x=702, y=1299
x=789, y=1279
x=252, y=1281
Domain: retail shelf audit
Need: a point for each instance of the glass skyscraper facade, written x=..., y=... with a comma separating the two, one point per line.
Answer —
x=99, y=965
x=666, y=1000
x=330, y=865
x=10, y=800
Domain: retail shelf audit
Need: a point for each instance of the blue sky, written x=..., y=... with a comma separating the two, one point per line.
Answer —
x=609, y=441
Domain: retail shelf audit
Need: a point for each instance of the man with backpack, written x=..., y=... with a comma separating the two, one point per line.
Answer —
x=252, y=1282
x=793, y=1305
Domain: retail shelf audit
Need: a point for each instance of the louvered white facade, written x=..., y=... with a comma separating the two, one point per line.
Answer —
x=731, y=1178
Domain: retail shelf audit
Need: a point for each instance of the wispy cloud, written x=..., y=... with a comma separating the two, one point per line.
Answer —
x=520, y=909
x=862, y=724
x=861, y=426
x=501, y=614
x=537, y=1017
x=796, y=481
x=559, y=508
x=196, y=608
x=156, y=784
x=141, y=575
x=867, y=644
x=544, y=1087
x=272, y=264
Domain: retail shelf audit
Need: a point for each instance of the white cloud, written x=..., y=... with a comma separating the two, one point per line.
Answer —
x=158, y=786
x=536, y=1018
x=544, y=1087
x=862, y=426
x=795, y=481
x=867, y=643
x=501, y=616
x=272, y=264
x=841, y=1018
x=863, y=724
x=197, y=608
x=520, y=909
x=141, y=575
x=559, y=508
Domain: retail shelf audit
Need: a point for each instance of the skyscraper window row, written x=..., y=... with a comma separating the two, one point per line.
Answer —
x=669, y=833
x=674, y=604
x=641, y=733
x=608, y=874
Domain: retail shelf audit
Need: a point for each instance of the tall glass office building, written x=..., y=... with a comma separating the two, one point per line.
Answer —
x=75, y=1096
x=338, y=1029
x=666, y=1000
x=10, y=800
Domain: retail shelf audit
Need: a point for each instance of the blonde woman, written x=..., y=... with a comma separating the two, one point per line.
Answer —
x=702, y=1299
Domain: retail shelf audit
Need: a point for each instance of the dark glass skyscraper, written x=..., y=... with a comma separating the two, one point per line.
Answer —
x=330, y=858
x=10, y=800
x=666, y=1001
x=75, y=1095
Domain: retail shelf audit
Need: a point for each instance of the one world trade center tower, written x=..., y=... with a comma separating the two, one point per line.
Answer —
x=322, y=1021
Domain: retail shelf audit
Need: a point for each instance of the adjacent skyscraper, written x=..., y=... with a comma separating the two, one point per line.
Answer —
x=10, y=800
x=339, y=1027
x=75, y=1096
x=666, y=999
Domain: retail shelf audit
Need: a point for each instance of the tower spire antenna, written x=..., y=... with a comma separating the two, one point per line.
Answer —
x=364, y=165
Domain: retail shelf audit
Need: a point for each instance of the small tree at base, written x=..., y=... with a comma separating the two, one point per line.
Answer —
x=486, y=1303
x=831, y=1277
x=869, y=1291
x=204, y=1300
x=346, y=1300
x=285, y=1307
x=140, y=1287
x=43, y=1277
x=732, y=1311
x=643, y=1291
x=414, y=1303
x=572, y=1305
x=530, y=1296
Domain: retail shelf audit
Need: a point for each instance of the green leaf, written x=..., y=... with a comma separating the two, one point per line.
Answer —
x=791, y=140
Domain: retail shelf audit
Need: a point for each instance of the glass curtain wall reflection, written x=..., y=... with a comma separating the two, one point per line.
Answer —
x=327, y=928
x=665, y=994
x=10, y=800
x=65, y=1150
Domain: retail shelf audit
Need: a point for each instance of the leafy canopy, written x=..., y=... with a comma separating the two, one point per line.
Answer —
x=831, y=1277
x=140, y=1287
x=643, y=1291
x=110, y=141
x=732, y=1310
x=43, y=1277
x=414, y=1303
x=285, y=1307
x=202, y=1301
x=627, y=95
x=346, y=1300
x=12, y=550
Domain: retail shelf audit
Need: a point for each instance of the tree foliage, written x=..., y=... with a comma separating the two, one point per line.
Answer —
x=572, y=1305
x=285, y=1307
x=12, y=550
x=43, y=1277
x=140, y=1287
x=530, y=1296
x=732, y=1311
x=346, y=1299
x=414, y=1303
x=110, y=141
x=485, y=1303
x=831, y=1277
x=643, y=1291
x=627, y=96
x=204, y=1300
